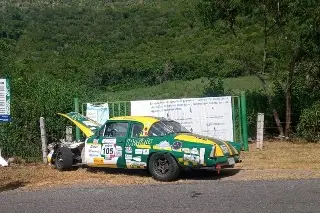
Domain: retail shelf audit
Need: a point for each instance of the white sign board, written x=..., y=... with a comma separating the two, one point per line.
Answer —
x=98, y=112
x=4, y=101
x=205, y=116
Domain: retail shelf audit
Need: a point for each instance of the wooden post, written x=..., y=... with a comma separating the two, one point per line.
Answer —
x=260, y=127
x=43, y=140
x=69, y=134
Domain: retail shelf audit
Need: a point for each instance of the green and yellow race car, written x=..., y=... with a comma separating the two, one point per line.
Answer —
x=162, y=146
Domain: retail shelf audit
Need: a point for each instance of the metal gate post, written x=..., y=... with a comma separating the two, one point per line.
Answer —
x=234, y=119
x=244, y=121
x=76, y=109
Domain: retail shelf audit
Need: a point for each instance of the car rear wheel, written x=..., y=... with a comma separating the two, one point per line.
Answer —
x=64, y=159
x=163, y=167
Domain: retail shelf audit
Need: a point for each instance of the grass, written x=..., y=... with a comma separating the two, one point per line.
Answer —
x=283, y=155
x=181, y=89
x=278, y=160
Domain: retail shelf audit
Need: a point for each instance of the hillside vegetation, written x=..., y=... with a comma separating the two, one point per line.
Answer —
x=56, y=50
x=111, y=45
x=180, y=89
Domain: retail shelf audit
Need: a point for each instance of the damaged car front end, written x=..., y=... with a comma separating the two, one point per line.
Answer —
x=64, y=154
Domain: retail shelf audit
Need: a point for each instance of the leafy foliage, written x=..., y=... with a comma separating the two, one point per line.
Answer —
x=41, y=97
x=115, y=46
x=285, y=35
x=309, y=126
x=214, y=88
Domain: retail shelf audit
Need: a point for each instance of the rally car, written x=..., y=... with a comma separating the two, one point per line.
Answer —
x=161, y=145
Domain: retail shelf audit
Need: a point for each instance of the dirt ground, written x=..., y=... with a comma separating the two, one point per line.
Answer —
x=278, y=160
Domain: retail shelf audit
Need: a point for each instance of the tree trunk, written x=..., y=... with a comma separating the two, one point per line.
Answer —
x=274, y=111
x=288, y=112
x=277, y=120
x=263, y=82
x=295, y=58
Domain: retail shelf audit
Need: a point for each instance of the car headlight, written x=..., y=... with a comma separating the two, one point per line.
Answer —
x=213, y=151
x=224, y=149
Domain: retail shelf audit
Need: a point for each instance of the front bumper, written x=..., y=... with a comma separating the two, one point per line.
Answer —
x=222, y=162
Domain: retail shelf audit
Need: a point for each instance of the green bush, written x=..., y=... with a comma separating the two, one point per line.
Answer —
x=257, y=102
x=309, y=125
x=33, y=98
x=214, y=88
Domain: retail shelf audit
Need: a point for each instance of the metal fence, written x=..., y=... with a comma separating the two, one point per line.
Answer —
x=118, y=108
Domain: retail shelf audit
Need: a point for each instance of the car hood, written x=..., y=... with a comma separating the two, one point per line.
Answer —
x=200, y=139
x=85, y=124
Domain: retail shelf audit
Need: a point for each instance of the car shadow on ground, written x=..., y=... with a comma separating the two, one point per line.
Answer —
x=133, y=172
x=12, y=186
x=184, y=175
x=208, y=174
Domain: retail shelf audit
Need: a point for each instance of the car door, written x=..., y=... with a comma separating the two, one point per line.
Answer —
x=110, y=144
x=135, y=155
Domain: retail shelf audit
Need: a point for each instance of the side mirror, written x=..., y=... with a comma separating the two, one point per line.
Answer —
x=99, y=132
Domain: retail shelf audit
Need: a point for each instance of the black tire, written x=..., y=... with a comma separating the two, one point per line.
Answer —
x=64, y=159
x=163, y=167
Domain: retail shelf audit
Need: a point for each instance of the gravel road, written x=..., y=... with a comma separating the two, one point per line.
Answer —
x=202, y=196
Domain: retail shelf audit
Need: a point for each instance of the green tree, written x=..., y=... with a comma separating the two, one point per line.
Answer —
x=290, y=37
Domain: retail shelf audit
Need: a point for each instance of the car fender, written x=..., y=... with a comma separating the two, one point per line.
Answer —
x=162, y=152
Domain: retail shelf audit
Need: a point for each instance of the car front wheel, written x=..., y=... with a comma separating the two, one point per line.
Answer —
x=163, y=167
x=64, y=159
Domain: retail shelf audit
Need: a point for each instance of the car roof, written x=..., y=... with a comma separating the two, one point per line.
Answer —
x=142, y=119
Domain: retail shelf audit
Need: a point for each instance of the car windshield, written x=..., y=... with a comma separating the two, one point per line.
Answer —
x=162, y=128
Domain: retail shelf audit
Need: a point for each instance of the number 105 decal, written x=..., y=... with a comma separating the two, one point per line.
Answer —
x=108, y=150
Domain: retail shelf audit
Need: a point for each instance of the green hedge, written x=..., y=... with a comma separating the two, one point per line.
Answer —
x=31, y=99
x=309, y=126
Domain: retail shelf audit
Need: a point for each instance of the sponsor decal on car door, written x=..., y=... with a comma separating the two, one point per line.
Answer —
x=105, y=153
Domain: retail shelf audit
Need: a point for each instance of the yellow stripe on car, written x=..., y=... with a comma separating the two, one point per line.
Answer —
x=143, y=146
x=194, y=139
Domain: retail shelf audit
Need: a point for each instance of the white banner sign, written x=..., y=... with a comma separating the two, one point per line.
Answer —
x=4, y=100
x=98, y=112
x=205, y=116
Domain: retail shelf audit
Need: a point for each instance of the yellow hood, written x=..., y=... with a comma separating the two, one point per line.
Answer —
x=85, y=124
x=193, y=138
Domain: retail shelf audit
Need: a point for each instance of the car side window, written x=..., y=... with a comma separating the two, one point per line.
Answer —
x=137, y=130
x=154, y=132
x=116, y=129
